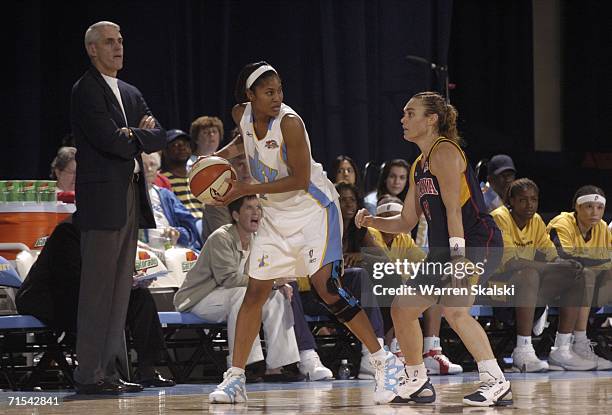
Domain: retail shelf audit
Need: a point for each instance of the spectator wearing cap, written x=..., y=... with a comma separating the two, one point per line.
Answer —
x=174, y=167
x=500, y=173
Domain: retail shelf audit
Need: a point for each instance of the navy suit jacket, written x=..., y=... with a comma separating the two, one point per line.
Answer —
x=105, y=156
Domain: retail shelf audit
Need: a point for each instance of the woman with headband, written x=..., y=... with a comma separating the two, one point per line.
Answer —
x=301, y=229
x=463, y=242
x=583, y=236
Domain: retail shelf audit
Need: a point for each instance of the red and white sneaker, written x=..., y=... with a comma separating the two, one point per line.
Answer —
x=438, y=364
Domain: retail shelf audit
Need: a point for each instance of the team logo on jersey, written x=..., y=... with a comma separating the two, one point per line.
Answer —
x=426, y=167
x=270, y=144
x=260, y=171
x=426, y=186
x=311, y=255
x=262, y=261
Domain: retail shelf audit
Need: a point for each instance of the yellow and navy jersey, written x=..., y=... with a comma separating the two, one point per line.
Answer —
x=479, y=229
x=180, y=187
x=268, y=162
x=523, y=243
x=402, y=247
x=565, y=234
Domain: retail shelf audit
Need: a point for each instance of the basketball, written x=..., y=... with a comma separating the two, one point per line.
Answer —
x=207, y=178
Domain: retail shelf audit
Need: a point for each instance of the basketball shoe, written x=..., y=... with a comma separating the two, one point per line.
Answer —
x=232, y=389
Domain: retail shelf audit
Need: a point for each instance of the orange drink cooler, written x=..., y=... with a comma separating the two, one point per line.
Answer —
x=30, y=223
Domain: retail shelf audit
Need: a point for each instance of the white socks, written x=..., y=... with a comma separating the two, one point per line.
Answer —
x=563, y=339
x=365, y=351
x=580, y=337
x=491, y=367
x=522, y=341
x=237, y=370
x=430, y=343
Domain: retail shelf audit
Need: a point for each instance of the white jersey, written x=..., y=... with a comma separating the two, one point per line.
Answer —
x=267, y=158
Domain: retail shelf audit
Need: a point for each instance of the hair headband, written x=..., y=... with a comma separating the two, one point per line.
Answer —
x=591, y=198
x=389, y=207
x=257, y=73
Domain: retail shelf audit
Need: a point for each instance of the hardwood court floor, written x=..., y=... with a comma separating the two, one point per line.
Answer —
x=555, y=392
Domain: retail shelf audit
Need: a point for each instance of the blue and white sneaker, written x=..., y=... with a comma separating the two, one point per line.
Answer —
x=232, y=389
x=387, y=374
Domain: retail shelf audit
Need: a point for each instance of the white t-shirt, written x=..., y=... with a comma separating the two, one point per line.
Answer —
x=114, y=86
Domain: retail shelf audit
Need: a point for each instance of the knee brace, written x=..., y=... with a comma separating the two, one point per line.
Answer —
x=347, y=306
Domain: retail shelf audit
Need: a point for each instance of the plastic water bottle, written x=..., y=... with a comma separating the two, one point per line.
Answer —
x=344, y=371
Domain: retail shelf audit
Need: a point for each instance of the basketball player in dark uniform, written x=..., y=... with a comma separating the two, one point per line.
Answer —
x=464, y=243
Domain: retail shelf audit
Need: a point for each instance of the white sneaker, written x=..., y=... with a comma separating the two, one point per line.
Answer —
x=313, y=369
x=412, y=389
x=491, y=392
x=585, y=350
x=525, y=360
x=395, y=349
x=563, y=358
x=387, y=375
x=231, y=390
x=366, y=370
x=438, y=364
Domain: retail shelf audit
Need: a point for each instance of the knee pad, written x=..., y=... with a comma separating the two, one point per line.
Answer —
x=347, y=306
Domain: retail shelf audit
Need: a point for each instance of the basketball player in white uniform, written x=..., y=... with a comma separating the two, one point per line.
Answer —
x=301, y=230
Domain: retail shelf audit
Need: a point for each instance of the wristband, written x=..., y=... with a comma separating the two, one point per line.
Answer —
x=457, y=246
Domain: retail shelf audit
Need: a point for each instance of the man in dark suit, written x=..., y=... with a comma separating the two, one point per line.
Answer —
x=112, y=126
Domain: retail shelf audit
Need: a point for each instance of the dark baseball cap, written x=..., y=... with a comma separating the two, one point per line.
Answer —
x=499, y=163
x=172, y=135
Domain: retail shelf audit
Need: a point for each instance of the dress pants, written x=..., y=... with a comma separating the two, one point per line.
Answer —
x=107, y=268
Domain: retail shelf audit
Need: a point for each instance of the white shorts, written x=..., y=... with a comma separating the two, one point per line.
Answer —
x=295, y=244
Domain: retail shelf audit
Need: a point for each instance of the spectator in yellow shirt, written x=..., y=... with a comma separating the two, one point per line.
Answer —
x=583, y=236
x=525, y=235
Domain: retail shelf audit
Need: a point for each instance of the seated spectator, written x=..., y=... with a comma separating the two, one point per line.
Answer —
x=399, y=247
x=172, y=219
x=500, y=173
x=583, y=236
x=525, y=235
x=353, y=239
x=207, y=134
x=63, y=169
x=393, y=180
x=174, y=167
x=215, y=287
x=345, y=170
x=50, y=293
